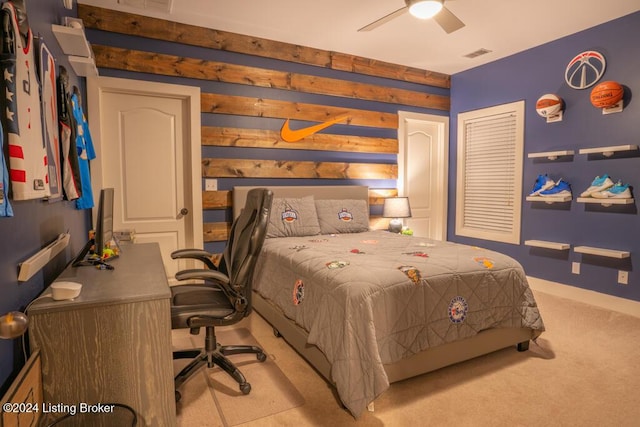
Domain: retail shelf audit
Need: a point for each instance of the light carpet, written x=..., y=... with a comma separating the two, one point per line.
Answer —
x=212, y=397
x=583, y=371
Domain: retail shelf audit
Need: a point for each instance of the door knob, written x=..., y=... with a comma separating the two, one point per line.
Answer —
x=183, y=212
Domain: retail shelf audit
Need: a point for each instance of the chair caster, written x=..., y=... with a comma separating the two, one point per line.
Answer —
x=261, y=357
x=245, y=388
x=178, y=396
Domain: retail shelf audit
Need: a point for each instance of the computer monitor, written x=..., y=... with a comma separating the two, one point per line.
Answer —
x=94, y=248
x=104, y=221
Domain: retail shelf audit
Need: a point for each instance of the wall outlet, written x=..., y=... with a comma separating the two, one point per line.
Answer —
x=211, y=184
x=623, y=277
x=575, y=268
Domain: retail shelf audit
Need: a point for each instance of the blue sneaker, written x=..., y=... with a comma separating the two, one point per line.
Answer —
x=543, y=182
x=562, y=188
x=618, y=191
x=600, y=183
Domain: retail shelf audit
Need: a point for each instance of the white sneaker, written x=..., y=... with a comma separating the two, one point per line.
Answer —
x=618, y=191
x=598, y=184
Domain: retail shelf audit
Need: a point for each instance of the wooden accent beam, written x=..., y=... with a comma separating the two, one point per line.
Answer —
x=176, y=66
x=216, y=231
x=241, y=168
x=377, y=196
x=216, y=199
x=159, y=29
x=257, y=107
x=255, y=138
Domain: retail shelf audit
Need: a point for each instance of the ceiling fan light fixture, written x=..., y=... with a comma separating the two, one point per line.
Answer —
x=424, y=9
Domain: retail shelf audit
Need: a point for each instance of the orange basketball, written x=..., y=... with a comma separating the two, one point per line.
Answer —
x=606, y=94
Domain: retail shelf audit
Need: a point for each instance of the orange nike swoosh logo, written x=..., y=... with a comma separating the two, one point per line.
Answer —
x=289, y=135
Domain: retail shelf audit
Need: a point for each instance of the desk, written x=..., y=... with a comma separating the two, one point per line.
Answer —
x=113, y=342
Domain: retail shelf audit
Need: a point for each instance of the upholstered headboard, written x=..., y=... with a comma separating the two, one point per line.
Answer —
x=320, y=192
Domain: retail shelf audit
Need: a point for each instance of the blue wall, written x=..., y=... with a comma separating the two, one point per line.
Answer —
x=527, y=76
x=36, y=223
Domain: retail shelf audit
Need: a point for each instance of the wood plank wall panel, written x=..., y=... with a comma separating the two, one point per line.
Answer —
x=159, y=29
x=259, y=107
x=258, y=138
x=221, y=199
x=241, y=168
x=177, y=66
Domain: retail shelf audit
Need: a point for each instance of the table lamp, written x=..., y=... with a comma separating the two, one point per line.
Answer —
x=13, y=324
x=396, y=208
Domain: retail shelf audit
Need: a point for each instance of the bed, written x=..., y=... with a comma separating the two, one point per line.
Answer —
x=368, y=308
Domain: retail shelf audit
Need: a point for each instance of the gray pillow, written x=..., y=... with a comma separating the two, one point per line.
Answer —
x=291, y=217
x=342, y=216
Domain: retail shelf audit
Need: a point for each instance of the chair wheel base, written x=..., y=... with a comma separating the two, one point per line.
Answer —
x=245, y=388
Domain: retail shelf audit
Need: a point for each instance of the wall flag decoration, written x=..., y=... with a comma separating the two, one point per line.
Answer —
x=585, y=69
x=289, y=135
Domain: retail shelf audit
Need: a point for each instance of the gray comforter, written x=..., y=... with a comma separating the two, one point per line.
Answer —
x=373, y=298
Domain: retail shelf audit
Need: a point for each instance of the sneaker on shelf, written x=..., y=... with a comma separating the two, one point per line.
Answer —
x=560, y=189
x=600, y=183
x=543, y=182
x=618, y=191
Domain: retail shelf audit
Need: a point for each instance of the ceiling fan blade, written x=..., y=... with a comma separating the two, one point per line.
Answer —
x=448, y=21
x=384, y=19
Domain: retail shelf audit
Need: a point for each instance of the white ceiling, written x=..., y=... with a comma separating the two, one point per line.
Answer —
x=503, y=26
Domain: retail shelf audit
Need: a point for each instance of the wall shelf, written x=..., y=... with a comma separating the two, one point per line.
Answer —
x=605, y=202
x=74, y=43
x=72, y=40
x=551, y=155
x=608, y=151
x=610, y=253
x=547, y=245
x=549, y=199
x=84, y=67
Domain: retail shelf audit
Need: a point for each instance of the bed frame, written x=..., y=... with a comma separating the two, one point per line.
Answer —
x=429, y=360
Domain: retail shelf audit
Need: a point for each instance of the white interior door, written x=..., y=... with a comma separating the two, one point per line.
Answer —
x=423, y=163
x=148, y=150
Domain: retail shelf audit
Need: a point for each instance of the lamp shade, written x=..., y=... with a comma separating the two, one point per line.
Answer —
x=396, y=207
x=424, y=9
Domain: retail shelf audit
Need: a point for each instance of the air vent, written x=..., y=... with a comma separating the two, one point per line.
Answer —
x=163, y=5
x=477, y=53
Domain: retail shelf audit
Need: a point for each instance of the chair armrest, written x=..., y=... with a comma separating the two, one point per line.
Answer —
x=198, y=254
x=203, y=274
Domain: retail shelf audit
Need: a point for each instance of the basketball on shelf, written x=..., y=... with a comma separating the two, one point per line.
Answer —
x=606, y=94
x=548, y=105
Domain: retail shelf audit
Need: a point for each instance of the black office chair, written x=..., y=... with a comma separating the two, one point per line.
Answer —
x=224, y=298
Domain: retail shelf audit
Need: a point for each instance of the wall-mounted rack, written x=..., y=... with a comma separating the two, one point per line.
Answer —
x=608, y=151
x=605, y=202
x=551, y=155
x=34, y=264
x=547, y=245
x=74, y=43
x=549, y=199
x=610, y=253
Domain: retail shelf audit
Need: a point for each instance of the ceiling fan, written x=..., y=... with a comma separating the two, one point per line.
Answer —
x=423, y=9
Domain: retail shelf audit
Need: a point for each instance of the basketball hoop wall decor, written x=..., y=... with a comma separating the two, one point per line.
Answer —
x=585, y=69
x=550, y=106
x=608, y=96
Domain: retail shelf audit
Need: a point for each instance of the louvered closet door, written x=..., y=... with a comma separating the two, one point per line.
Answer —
x=490, y=175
